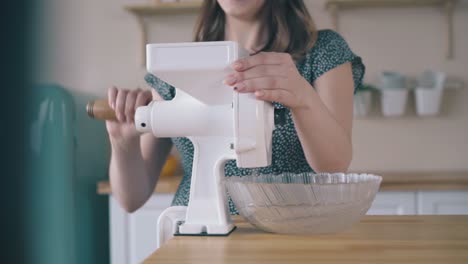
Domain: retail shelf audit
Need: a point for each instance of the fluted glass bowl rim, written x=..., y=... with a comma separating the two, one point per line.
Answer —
x=275, y=178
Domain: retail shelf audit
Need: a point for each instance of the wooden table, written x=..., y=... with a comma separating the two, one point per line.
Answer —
x=376, y=239
x=392, y=181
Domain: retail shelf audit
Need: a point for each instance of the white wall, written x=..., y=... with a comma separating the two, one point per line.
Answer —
x=94, y=44
x=410, y=41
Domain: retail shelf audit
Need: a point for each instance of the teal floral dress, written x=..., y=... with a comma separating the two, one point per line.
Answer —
x=329, y=51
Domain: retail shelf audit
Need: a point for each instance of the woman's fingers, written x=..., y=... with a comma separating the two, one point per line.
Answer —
x=275, y=95
x=111, y=96
x=256, y=72
x=125, y=102
x=252, y=85
x=262, y=58
x=143, y=98
x=120, y=105
x=130, y=105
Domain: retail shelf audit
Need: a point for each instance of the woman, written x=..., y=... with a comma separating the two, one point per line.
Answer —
x=310, y=74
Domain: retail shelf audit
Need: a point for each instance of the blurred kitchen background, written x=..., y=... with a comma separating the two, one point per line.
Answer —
x=84, y=47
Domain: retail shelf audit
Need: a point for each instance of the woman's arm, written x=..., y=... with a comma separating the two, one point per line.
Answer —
x=136, y=160
x=324, y=126
x=323, y=118
x=135, y=167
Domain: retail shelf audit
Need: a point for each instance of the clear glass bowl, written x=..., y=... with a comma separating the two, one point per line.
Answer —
x=304, y=203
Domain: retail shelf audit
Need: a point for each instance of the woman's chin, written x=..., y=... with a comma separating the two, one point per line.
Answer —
x=241, y=15
x=241, y=9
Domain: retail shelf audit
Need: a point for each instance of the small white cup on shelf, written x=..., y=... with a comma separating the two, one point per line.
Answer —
x=428, y=101
x=394, y=95
x=362, y=103
x=429, y=93
x=363, y=100
x=394, y=102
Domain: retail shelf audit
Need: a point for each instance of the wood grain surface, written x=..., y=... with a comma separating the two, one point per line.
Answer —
x=392, y=181
x=376, y=239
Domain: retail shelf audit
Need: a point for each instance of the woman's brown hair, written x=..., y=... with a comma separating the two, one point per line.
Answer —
x=291, y=28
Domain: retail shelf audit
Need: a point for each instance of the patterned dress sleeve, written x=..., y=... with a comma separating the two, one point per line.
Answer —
x=165, y=90
x=331, y=51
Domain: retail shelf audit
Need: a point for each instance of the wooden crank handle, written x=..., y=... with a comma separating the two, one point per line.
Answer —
x=100, y=109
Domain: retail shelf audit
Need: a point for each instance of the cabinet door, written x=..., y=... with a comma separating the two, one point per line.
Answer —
x=133, y=236
x=394, y=203
x=444, y=203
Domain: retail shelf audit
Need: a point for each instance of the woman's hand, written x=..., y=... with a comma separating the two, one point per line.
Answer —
x=136, y=159
x=272, y=77
x=125, y=102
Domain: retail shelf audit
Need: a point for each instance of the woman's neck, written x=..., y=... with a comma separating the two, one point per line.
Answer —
x=251, y=35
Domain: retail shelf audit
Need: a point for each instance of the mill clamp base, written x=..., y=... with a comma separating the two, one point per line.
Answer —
x=177, y=233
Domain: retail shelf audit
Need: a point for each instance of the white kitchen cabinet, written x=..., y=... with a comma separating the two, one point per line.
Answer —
x=394, y=203
x=133, y=236
x=443, y=203
x=421, y=202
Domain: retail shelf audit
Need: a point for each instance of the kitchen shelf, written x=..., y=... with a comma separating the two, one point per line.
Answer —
x=167, y=184
x=447, y=6
x=140, y=11
x=347, y=4
x=164, y=8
